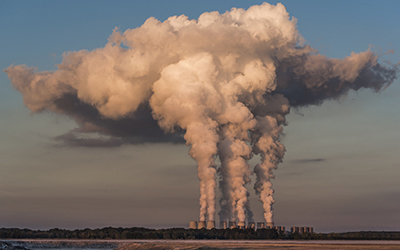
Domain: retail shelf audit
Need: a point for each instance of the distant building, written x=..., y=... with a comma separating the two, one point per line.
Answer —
x=251, y=225
x=302, y=230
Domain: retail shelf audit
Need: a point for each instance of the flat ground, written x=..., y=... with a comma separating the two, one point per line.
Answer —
x=284, y=245
x=196, y=244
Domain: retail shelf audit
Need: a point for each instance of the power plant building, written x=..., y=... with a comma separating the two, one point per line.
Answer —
x=302, y=230
x=242, y=225
x=270, y=225
x=251, y=225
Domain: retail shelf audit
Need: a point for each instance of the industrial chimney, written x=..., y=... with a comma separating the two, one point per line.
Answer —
x=202, y=224
x=193, y=224
x=210, y=224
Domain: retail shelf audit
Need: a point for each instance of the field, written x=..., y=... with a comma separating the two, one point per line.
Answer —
x=26, y=244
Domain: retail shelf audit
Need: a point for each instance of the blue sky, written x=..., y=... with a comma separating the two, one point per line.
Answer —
x=354, y=185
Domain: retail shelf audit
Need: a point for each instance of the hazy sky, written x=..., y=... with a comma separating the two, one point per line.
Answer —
x=340, y=171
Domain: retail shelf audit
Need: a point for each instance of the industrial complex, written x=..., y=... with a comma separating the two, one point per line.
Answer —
x=242, y=225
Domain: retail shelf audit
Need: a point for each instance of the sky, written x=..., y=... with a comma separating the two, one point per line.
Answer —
x=340, y=171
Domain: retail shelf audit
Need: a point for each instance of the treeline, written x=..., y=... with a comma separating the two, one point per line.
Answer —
x=363, y=235
x=138, y=233
x=181, y=233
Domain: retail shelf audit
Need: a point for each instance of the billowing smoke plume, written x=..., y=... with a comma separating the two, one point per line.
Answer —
x=225, y=81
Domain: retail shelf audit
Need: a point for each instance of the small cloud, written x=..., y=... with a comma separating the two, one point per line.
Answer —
x=304, y=161
x=85, y=137
x=390, y=52
x=72, y=139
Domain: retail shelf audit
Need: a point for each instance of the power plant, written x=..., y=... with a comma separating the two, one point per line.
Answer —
x=242, y=225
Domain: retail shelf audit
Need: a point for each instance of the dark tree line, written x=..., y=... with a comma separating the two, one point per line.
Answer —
x=181, y=233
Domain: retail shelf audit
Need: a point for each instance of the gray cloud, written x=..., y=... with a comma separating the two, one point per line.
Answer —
x=72, y=139
x=326, y=79
x=137, y=128
x=305, y=161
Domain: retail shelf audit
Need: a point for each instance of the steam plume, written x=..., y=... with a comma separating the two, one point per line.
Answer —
x=225, y=81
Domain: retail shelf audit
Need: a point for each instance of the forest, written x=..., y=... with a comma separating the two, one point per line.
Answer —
x=182, y=234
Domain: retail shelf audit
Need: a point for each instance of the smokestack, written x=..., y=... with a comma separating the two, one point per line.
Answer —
x=222, y=225
x=260, y=225
x=193, y=224
x=202, y=224
x=210, y=224
x=232, y=224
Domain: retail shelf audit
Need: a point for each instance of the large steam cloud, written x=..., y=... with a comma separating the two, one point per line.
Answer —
x=224, y=81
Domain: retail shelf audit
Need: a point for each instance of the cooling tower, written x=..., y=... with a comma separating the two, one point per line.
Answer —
x=210, y=224
x=222, y=225
x=241, y=224
x=232, y=224
x=311, y=230
x=251, y=225
x=202, y=224
x=193, y=224
x=260, y=225
x=301, y=230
